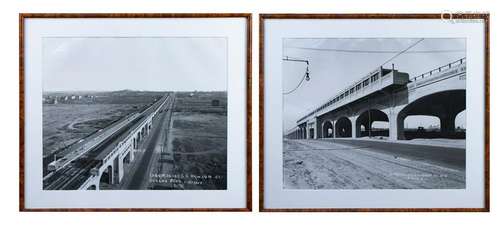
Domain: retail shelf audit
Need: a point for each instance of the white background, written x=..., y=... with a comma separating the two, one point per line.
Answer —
x=9, y=113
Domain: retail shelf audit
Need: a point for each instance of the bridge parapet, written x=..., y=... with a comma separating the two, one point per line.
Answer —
x=451, y=69
x=440, y=69
x=125, y=142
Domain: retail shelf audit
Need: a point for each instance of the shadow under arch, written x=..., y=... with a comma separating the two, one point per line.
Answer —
x=343, y=127
x=327, y=129
x=445, y=105
x=366, y=120
x=106, y=179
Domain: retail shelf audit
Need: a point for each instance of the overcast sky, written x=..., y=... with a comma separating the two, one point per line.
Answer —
x=332, y=71
x=160, y=64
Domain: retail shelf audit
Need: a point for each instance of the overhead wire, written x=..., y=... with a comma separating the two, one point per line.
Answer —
x=376, y=51
x=406, y=49
x=388, y=60
x=296, y=87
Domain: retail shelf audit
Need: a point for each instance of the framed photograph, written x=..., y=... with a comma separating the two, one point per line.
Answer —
x=135, y=112
x=374, y=112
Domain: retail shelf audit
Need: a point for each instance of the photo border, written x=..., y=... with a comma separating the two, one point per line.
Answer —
x=248, y=142
x=481, y=16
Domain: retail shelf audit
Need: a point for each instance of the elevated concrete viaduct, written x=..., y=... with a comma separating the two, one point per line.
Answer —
x=388, y=95
x=100, y=159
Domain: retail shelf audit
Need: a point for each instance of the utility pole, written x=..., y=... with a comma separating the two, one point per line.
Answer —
x=286, y=58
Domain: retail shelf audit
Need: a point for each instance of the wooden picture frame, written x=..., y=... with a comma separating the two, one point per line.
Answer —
x=247, y=80
x=263, y=121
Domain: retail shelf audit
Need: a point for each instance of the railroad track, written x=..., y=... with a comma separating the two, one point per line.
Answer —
x=72, y=176
x=66, y=176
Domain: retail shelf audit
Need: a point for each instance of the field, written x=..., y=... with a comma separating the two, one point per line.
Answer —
x=71, y=120
x=63, y=124
x=199, y=139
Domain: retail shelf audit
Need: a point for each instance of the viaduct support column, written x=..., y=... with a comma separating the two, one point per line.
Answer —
x=111, y=175
x=396, y=125
x=120, y=169
x=447, y=124
x=316, y=126
x=355, y=129
x=132, y=155
x=334, y=123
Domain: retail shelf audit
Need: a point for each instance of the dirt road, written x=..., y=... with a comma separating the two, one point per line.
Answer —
x=138, y=176
x=314, y=164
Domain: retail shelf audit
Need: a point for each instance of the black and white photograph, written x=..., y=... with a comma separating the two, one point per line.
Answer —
x=134, y=113
x=374, y=113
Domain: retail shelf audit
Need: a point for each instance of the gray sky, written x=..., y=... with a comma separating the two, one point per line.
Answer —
x=158, y=63
x=333, y=71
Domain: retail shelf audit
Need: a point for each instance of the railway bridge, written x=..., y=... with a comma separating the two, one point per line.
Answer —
x=389, y=95
x=101, y=157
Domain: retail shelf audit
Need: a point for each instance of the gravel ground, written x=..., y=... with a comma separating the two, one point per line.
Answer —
x=326, y=165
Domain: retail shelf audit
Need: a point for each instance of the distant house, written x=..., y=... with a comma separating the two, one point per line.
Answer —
x=50, y=100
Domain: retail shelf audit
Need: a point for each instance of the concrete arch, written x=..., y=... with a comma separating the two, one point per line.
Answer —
x=310, y=133
x=106, y=178
x=127, y=159
x=366, y=120
x=302, y=132
x=327, y=129
x=462, y=116
x=437, y=104
x=343, y=127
